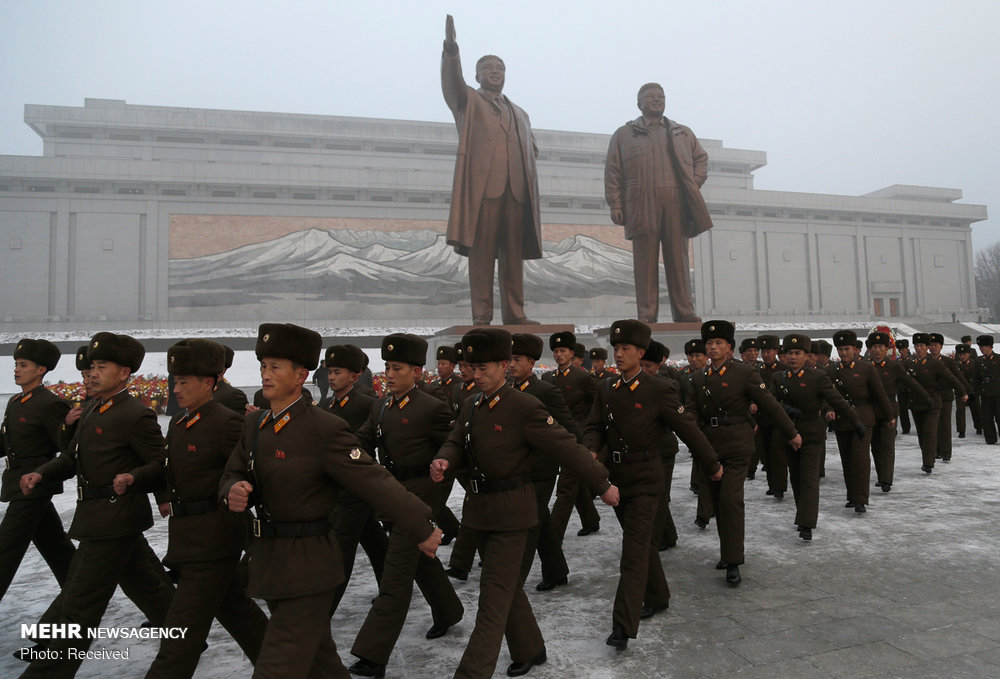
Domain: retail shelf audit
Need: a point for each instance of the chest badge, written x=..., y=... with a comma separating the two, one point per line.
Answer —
x=280, y=454
x=497, y=427
x=355, y=454
x=192, y=448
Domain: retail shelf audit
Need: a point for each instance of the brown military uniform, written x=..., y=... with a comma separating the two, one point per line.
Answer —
x=776, y=468
x=116, y=436
x=987, y=385
x=205, y=543
x=721, y=397
x=936, y=379
x=407, y=431
x=300, y=464
x=894, y=377
x=577, y=387
x=807, y=395
x=948, y=398
x=30, y=436
x=463, y=553
x=859, y=383
x=968, y=370
x=492, y=444
x=231, y=397
x=627, y=421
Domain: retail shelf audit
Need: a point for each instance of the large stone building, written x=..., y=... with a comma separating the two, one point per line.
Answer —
x=141, y=215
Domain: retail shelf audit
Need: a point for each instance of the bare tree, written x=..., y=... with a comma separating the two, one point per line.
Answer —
x=988, y=278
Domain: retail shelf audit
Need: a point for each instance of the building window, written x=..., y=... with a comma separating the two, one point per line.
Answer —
x=894, y=306
x=878, y=306
x=939, y=261
x=173, y=192
x=304, y=196
x=15, y=243
x=223, y=194
x=265, y=194
x=108, y=244
x=86, y=189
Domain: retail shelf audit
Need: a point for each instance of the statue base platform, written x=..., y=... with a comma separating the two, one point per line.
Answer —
x=535, y=329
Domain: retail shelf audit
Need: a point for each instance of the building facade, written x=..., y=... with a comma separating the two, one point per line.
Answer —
x=175, y=217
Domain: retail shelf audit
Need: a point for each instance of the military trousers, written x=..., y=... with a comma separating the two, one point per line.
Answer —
x=499, y=237
x=926, y=423
x=543, y=539
x=98, y=567
x=972, y=405
x=903, y=397
x=404, y=565
x=857, y=463
x=298, y=643
x=777, y=462
x=989, y=408
x=884, y=451
x=803, y=472
x=33, y=521
x=207, y=590
x=944, y=430
x=671, y=239
x=727, y=498
x=570, y=492
x=664, y=530
x=641, y=578
x=504, y=610
x=353, y=524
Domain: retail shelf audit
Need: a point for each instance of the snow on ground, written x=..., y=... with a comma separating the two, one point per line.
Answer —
x=882, y=593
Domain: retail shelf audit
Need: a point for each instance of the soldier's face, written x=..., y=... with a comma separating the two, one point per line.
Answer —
x=986, y=350
x=445, y=368
x=280, y=379
x=717, y=349
x=768, y=355
x=563, y=356
x=847, y=353
x=27, y=372
x=598, y=364
x=653, y=102
x=400, y=377
x=878, y=352
x=578, y=361
x=627, y=357
x=921, y=350
x=341, y=379
x=935, y=349
x=750, y=355
x=85, y=380
x=795, y=358
x=191, y=391
x=107, y=378
x=520, y=367
x=697, y=361
x=810, y=359
x=465, y=370
x=649, y=367
x=491, y=74
x=490, y=376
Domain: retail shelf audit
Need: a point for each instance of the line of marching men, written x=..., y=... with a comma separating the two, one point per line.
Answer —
x=321, y=486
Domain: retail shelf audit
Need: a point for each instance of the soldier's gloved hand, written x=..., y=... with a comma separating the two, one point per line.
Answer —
x=239, y=496
x=860, y=430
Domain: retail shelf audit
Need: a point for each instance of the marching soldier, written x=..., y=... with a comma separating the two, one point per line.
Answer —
x=771, y=457
x=231, y=397
x=30, y=436
x=577, y=387
x=579, y=354
x=749, y=351
x=722, y=398
x=289, y=465
x=406, y=427
x=697, y=360
x=492, y=443
x=525, y=351
x=988, y=387
x=353, y=520
x=117, y=458
x=823, y=352
x=463, y=554
x=947, y=397
x=935, y=378
x=859, y=383
x=447, y=380
x=629, y=415
x=598, y=361
x=967, y=368
x=205, y=541
x=895, y=378
x=807, y=396
x=903, y=353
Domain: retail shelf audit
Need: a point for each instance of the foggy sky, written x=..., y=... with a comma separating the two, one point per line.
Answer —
x=845, y=98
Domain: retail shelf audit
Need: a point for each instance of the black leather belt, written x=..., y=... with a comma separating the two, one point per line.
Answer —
x=193, y=508
x=95, y=492
x=407, y=473
x=263, y=528
x=860, y=402
x=629, y=456
x=726, y=421
x=481, y=485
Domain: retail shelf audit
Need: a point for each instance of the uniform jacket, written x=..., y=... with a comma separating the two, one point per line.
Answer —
x=479, y=133
x=810, y=393
x=231, y=397
x=30, y=436
x=354, y=407
x=987, y=380
x=118, y=436
x=628, y=176
x=544, y=467
x=642, y=410
x=894, y=378
x=934, y=376
x=767, y=371
x=299, y=471
x=198, y=446
x=577, y=387
x=452, y=387
x=863, y=387
x=952, y=366
x=503, y=439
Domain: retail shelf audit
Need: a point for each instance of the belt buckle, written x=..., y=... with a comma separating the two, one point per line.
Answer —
x=79, y=492
x=171, y=506
x=256, y=528
x=474, y=485
x=713, y=421
x=616, y=456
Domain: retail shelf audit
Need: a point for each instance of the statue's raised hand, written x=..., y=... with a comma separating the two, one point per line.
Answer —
x=450, y=46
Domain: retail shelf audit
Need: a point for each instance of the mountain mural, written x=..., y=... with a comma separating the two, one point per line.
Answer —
x=376, y=267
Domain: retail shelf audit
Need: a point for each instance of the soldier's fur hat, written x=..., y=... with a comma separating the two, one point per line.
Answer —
x=526, y=344
x=937, y=337
x=694, y=346
x=285, y=340
x=485, y=345
x=42, y=352
x=748, y=343
x=879, y=338
x=902, y=344
x=345, y=356
x=446, y=352
x=580, y=351
x=230, y=355
x=962, y=349
x=82, y=362
x=768, y=342
x=822, y=347
x=199, y=357
x=985, y=340
x=631, y=331
x=562, y=339
x=719, y=329
x=655, y=352
x=921, y=338
x=459, y=353
x=598, y=354
x=796, y=341
x=405, y=348
x=845, y=338
x=121, y=349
